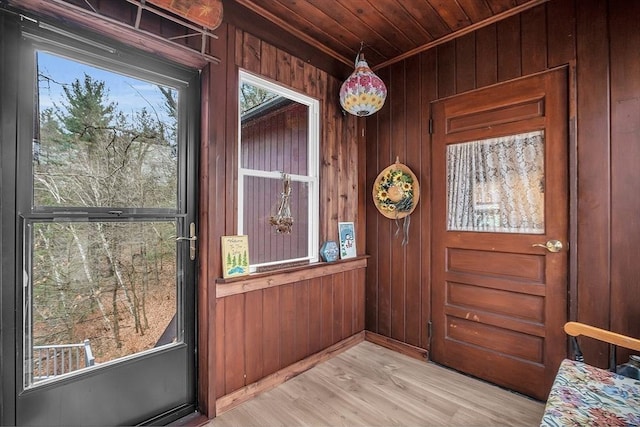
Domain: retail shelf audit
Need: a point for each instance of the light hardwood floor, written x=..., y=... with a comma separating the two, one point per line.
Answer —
x=369, y=385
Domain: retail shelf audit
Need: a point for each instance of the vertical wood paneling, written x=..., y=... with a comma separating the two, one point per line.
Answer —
x=397, y=284
x=287, y=325
x=417, y=127
x=561, y=28
x=348, y=166
x=373, y=221
x=340, y=161
x=311, y=77
x=328, y=168
x=283, y=67
x=625, y=153
x=331, y=155
x=315, y=315
x=509, y=52
x=326, y=302
x=302, y=320
x=338, y=307
x=268, y=61
x=348, y=284
x=446, y=69
x=213, y=173
x=251, y=52
x=486, y=56
x=253, y=333
x=360, y=301
x=465, y=63
x=236, y=50
x=224, y=165
x=221, y=388
x=271, y=328
x=534, y=40
x=234, y=343
x=297, y=73
x=594, y=163
x=266, y=330
x=384, y=277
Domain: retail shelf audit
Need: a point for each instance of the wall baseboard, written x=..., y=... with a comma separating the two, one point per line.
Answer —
x=269, y=382
x=399, y=346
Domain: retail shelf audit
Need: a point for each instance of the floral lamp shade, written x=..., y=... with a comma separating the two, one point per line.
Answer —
x=363, y=93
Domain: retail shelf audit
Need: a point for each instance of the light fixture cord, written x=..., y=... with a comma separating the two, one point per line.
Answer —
x=358, y=54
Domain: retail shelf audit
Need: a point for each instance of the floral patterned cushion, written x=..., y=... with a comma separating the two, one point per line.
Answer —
x=583, y=395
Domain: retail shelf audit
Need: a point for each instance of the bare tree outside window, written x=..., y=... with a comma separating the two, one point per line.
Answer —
x=103, y=141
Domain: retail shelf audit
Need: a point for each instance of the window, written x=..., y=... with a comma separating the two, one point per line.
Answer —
x=102, y=213
x=278, y=164
x=497, y=184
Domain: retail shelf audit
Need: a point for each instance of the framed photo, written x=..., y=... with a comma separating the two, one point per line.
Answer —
x=235, y=256
x=347, y=234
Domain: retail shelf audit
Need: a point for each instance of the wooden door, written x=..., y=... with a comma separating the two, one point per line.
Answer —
x=499, y=299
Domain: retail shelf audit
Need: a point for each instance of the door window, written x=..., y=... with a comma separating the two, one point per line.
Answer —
x=101, y=261
x=497, y=184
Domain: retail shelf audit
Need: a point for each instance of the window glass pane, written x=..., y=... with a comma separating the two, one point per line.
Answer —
x=101, y=289
x=261, y=200
x=497, y=184
x=274, y=132
x=102, y=139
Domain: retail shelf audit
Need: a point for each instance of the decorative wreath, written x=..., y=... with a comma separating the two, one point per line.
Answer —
x=396, y=191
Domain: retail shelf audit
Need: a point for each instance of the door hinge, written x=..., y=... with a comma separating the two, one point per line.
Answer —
x=430, y=126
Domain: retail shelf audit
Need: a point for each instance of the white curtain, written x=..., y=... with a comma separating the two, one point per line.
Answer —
x=497, y=184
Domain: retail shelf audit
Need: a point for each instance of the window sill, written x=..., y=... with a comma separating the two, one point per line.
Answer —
x=257, y=281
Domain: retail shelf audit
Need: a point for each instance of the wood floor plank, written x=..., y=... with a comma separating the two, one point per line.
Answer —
x=369, y=385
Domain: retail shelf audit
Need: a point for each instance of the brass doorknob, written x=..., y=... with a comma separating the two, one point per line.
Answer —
x=551, y=245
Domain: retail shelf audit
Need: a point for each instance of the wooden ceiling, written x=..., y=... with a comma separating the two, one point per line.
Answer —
x=327, y=33
x=389, y=29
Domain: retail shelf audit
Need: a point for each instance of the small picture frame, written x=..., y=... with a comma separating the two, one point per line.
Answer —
x=235, y=256
x=347, y=234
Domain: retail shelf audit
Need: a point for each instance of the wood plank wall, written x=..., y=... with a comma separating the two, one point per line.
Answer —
x=599, y=40
x=622, y=176
x=263, y=331
x=252, y=334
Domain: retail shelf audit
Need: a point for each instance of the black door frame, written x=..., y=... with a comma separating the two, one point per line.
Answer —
x=9, y=44
x=16, y=118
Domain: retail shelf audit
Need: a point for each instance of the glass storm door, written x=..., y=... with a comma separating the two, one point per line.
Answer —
x=105, y=211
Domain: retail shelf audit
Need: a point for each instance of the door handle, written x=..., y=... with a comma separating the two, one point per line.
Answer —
x=551, y=245
x=192, y=240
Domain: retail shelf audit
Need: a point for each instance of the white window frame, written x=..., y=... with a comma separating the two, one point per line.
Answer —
x=312, y=179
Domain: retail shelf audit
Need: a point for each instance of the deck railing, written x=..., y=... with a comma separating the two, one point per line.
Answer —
x=53, y=360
